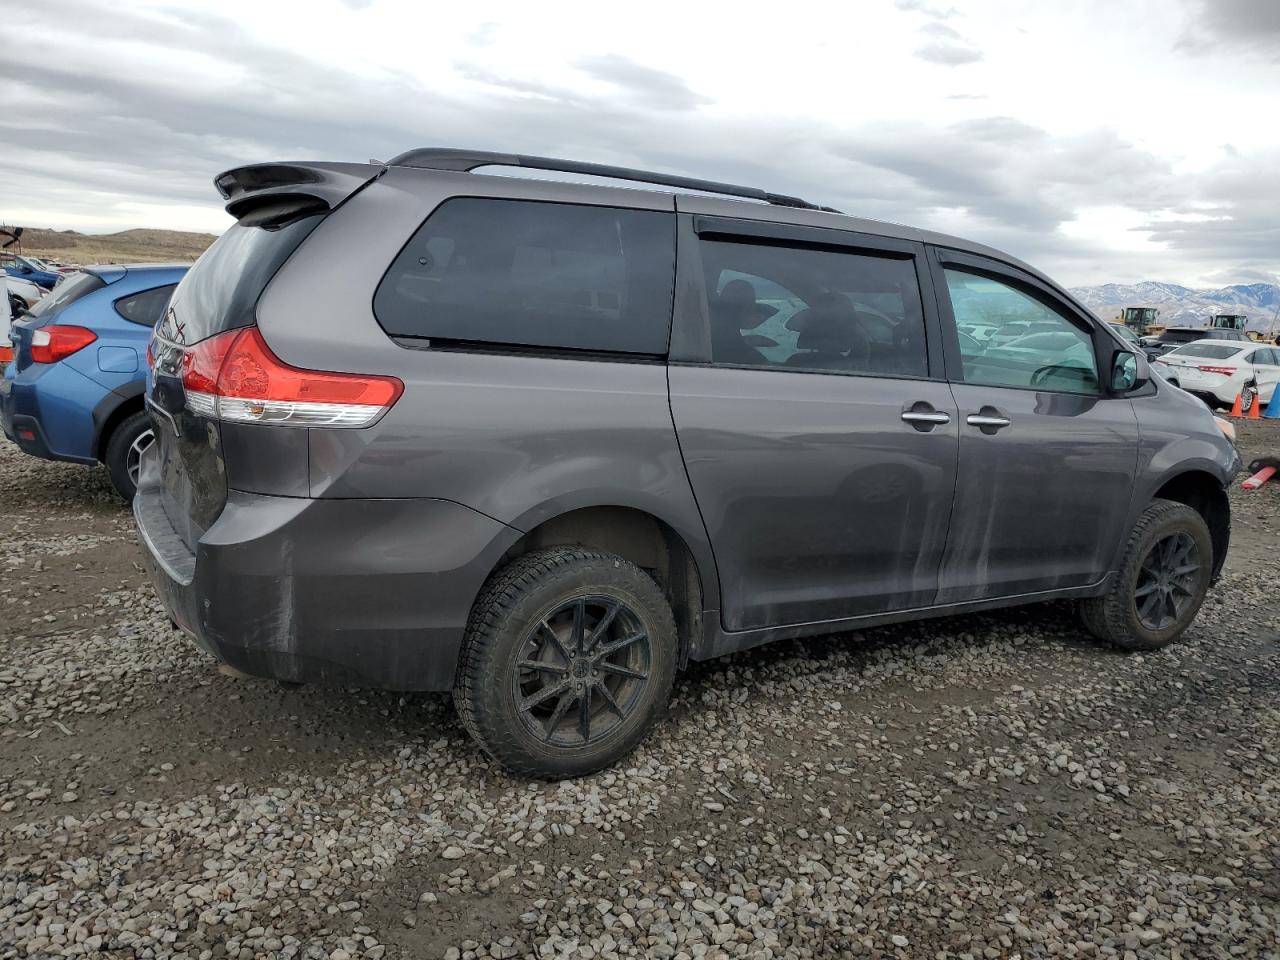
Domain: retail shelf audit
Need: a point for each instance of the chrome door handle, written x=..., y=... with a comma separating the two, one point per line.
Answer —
x=978, y=420
x=913, y=417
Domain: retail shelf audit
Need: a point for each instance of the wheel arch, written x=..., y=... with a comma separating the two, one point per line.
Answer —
x=647, y=540
x=1204, y=493
x=111, y=410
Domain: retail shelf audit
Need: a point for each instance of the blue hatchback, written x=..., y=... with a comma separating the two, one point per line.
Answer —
x=74, y=390
x=29, y=269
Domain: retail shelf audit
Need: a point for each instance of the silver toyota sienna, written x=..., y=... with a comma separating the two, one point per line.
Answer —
x=542, y=443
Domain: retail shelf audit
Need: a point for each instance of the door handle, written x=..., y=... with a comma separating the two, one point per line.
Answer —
x=978, y=420
x=912, y=416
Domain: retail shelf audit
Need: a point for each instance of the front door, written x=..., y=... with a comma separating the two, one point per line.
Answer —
x=820, y=449
x=1047, y=458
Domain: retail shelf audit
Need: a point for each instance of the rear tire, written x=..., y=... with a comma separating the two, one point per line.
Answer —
x=1162, y=581
x=543, y=687
x=131, y=436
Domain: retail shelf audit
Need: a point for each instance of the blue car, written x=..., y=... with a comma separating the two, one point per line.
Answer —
x=17, y=265
x=74, y=389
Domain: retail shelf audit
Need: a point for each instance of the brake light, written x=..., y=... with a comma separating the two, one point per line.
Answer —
x=1225, y=371
x=57, y=342
x=235, y=376
x=6, y=353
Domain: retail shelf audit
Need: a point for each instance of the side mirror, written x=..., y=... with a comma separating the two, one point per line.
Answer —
x=1126, y=374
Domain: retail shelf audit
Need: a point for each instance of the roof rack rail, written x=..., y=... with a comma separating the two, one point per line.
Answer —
x=446, y=158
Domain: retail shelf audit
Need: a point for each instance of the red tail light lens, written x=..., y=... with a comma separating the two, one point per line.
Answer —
x=1225, y=371
x=235, y=376
x=6, y=353
x=57, y=342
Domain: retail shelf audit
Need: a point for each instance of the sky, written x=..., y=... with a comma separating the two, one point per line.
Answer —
x=1119, y=141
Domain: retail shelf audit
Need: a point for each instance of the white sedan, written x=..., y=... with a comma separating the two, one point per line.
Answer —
x=1219, y=369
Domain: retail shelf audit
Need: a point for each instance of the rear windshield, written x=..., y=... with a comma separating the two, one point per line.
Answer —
x=1182, y=336
x=528, y=273
x=67, y=292
x=1210, y=351
x=221, y=291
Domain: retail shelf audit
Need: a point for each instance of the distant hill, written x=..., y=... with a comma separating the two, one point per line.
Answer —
x=1185, y=306
x=127, y=246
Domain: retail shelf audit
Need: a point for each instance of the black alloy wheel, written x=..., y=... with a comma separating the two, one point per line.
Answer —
x=1167, y=581
x=581, y=671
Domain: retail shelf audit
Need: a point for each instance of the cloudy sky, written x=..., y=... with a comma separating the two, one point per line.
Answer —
x=1110, y=140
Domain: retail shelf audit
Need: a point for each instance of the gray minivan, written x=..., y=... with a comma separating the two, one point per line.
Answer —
x=541, y=443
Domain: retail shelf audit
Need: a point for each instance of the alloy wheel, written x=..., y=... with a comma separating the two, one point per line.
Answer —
x=581, y=671
x=133, y=459
x=1167, y=581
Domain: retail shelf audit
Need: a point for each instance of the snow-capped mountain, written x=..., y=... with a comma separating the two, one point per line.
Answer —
x=1185, y=306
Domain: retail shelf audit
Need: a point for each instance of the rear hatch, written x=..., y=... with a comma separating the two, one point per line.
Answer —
x=276, y=207
x=220, y=293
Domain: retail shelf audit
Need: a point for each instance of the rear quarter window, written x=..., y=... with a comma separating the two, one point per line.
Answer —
x=146, y=306
x=534, y=274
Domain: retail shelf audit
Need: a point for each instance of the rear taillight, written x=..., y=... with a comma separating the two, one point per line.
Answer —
x=235, y=376
x=57, y=342
x=6, y=353
x=1225, y=371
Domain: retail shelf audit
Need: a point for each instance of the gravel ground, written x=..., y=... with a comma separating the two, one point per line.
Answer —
x=986, y=786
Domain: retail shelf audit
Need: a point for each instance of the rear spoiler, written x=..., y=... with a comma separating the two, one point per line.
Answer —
x=270, y=193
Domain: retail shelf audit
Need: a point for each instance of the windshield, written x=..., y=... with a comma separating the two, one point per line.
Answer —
x=1209, y=351
x=66, y=293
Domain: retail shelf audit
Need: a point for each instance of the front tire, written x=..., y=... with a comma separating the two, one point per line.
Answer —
x=1163, y=578
x=567, y=663
x=124, y=451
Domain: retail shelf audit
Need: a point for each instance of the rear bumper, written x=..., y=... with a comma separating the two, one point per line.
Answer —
x=42, y=411
x=367, y=592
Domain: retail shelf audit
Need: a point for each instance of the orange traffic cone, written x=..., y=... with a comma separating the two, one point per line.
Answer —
x=1235, y=407
x=1255, y=406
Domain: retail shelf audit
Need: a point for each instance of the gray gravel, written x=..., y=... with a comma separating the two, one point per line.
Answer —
x=989, y=786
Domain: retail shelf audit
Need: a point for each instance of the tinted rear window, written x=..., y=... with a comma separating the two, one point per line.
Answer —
x=1211, y=351
x=221, y=291
x=146, y=306
x=527, y=273
x=67, y=292
x=1182, y=336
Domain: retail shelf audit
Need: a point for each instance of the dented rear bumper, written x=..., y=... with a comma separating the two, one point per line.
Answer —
x=367, y=592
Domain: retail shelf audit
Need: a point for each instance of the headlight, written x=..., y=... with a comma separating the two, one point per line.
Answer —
x=1227, y=427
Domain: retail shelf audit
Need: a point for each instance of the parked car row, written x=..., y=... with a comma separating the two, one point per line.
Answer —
x=33, y=269
x=1172, y=338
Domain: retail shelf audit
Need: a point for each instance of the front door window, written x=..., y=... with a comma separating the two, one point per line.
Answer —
x=1032, y=346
